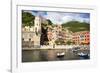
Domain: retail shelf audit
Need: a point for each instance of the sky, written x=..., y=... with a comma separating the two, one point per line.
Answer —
x=62, y=17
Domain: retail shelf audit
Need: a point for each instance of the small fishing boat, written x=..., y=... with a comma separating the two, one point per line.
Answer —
x=60, y=55
x=84, y=55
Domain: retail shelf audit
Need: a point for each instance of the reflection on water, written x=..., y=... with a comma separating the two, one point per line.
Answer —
x=37, y=55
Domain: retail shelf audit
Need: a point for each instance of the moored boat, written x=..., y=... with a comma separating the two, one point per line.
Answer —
x=60, y=55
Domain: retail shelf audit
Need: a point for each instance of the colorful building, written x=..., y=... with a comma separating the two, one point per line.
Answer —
x=82, y=37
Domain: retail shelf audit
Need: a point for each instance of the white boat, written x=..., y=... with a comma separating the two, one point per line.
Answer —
x=81, y=54
x=61, y=54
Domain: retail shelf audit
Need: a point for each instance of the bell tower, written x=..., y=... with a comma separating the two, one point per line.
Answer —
x=37, y=31
x=37, y=25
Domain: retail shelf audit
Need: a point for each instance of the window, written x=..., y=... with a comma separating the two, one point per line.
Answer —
x=31, y=35
x=35, y=29
x=22, y=39
x=29, y=39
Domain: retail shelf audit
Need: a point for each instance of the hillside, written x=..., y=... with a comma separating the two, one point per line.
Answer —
x=76, y=26
x=27, y=19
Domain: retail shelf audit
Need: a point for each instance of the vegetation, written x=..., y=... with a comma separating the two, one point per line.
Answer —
x=76, y=26
x=60, y=42
x=70, y=42
x=49, y=22
x=27, y=19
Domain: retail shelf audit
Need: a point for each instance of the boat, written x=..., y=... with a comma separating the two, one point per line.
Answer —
x=84, y=55
x=60, y=55
x=75, y=50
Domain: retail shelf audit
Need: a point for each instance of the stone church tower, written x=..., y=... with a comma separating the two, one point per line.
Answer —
x=37, y=31
x=37, y=24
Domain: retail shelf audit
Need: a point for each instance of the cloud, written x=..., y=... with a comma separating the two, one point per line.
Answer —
x=55, y=17
x=82, y=17
x=29, y=11
x=62, y=17
x=66, y=18
x=59, y=18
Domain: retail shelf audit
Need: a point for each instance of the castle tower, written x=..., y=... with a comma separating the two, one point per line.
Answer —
x=37, y=31
x=37, y=25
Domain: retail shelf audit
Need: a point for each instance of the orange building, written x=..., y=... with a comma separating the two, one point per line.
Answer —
x=82, y=37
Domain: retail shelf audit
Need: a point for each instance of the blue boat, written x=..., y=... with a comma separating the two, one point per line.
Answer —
x=83, y=55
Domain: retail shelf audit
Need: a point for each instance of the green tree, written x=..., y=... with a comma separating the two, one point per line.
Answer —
x=27, y=19
x=60, y=42
x=49, y=22
x=69, y=42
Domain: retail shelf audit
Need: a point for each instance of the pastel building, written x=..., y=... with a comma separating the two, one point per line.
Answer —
x=28, y=37
x=58, y=33
x=82, y=37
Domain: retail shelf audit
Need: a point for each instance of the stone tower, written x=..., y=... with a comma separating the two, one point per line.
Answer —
x=37, y=25
x=37, y=31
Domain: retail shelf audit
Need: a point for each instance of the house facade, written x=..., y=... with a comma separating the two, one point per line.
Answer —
x=82, y=37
